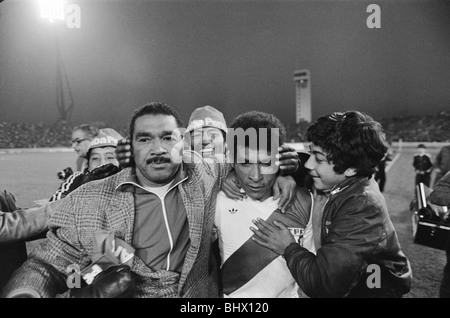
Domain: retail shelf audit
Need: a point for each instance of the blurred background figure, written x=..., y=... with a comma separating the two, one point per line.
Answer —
x=423, y=165
x=442, y=163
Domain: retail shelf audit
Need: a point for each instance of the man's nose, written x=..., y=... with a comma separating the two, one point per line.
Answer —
x=255, y=173
x=206, y=138
x=156, y=147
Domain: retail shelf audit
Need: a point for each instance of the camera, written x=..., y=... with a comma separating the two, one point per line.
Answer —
x=63, y=175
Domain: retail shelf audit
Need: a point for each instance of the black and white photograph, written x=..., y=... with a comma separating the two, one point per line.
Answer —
x=225, y=153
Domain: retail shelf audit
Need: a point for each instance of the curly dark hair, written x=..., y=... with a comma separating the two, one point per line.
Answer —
x=154, y=108
x=255, y=120
x=350, y=139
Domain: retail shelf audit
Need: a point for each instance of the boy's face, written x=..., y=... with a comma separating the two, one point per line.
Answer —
x=321, y=170
x=102, y=156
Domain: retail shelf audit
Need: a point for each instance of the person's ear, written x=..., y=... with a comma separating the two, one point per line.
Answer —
x=350, y=172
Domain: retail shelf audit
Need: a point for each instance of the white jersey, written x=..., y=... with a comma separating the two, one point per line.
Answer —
x=233, y=220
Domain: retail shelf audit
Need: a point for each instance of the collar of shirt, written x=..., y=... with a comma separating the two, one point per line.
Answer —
x=131, y=184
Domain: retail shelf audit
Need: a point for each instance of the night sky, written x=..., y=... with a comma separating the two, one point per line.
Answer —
x=234, y=55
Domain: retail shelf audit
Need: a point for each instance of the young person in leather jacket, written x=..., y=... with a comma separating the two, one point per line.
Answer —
x=358, y=252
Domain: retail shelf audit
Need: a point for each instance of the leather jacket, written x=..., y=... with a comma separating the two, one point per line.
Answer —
x=25, y=224
x=356, y=232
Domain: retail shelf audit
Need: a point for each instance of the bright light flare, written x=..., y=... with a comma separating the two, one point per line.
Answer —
x=52, y=9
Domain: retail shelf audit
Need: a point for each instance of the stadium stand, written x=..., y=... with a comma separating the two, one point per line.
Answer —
x=411, y=128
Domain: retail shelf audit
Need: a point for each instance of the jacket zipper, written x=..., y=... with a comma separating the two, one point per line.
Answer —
x=166, y=222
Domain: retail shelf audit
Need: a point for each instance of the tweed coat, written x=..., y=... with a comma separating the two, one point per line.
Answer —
x=98, y=205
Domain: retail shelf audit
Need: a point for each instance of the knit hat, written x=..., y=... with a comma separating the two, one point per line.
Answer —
x=107, y=137
x=206, y=116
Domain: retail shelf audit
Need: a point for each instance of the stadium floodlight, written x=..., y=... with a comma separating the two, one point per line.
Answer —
x=52, y=9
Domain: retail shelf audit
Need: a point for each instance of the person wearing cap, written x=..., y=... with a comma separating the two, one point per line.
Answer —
x=423, y=165
x=161, y=206
x=206, y=135
x=101, y=162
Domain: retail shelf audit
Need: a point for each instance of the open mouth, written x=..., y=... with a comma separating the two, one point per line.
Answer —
x=207, y=152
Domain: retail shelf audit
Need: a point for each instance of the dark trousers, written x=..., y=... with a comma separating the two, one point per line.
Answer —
x=423, y=178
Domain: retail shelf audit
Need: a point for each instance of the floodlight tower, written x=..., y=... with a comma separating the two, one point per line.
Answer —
x=54, y=10
x=303, y=95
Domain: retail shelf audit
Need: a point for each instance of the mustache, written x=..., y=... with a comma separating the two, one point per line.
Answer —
x=158, y=159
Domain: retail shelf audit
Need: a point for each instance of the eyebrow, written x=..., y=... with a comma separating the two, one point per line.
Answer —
x=316, y=152
x=148, y=134
x=105, y=153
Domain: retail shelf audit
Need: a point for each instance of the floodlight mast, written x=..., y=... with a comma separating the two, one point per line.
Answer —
x=54, y=10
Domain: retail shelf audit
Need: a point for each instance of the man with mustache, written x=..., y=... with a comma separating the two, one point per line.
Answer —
x=206, y=134
x=162, y=207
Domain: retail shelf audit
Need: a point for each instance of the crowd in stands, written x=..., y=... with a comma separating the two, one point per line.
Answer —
x=414, y=128
x=411, y=128
x=22, y=135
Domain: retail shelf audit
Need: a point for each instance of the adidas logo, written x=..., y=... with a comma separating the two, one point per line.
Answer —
x=233, y=211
